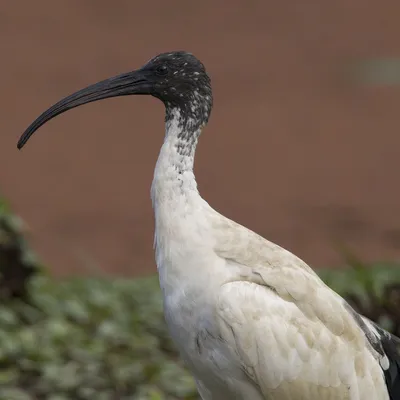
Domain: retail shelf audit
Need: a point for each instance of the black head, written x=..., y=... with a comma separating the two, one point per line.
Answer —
x=178, y=79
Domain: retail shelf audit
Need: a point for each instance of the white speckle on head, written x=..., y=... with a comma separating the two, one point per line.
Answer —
x=196, y=73
x=193, y=106
x=185, y=64
x=175, y=72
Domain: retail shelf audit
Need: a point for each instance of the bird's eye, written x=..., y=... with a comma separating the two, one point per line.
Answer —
x=162, y=70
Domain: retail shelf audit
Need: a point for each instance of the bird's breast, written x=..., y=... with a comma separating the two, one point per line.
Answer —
x=190, y=320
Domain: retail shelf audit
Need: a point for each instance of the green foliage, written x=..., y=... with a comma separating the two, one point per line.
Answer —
x=372, y=290
x=106, y=339
x=90, y=339
x=17, y=262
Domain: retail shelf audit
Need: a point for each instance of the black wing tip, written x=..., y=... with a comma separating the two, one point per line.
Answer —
x=391, y=347
x=386, y=345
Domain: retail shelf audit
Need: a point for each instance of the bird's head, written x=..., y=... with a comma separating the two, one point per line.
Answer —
x=178, y=79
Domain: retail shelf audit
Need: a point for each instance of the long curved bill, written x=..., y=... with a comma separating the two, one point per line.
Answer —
x=134, y=82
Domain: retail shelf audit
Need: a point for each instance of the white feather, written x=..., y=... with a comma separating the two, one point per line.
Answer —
x=251, y=320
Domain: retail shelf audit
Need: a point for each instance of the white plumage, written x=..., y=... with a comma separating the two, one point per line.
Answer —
x=251, y=320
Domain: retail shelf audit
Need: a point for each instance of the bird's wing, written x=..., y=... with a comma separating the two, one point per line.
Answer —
x=388, y=348
x=287, y=346
x=293, y=334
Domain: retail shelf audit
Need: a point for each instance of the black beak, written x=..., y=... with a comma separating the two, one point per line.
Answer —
x=135, y=82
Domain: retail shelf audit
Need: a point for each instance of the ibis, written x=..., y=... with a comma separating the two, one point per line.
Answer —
x=251, y=320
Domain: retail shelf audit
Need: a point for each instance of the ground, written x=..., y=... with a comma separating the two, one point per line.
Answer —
x=297, y=149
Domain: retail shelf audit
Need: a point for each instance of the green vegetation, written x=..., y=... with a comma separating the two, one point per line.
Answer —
x=17, y=262
x=90, y=339
x=106, y=339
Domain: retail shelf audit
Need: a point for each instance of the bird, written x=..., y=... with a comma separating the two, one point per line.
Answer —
x=251, y=320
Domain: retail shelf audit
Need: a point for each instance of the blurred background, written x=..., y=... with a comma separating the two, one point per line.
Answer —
x=302, y=147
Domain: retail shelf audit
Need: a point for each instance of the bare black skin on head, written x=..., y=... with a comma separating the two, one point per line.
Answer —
x=177, y=78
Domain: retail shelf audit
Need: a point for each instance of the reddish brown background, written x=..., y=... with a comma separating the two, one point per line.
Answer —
x=296, y=149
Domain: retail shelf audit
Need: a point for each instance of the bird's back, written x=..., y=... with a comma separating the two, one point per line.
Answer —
x=289, y=332
x=296, y=335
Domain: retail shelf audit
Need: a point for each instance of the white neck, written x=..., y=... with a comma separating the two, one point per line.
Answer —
x=176, y=201
x=174, y=181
